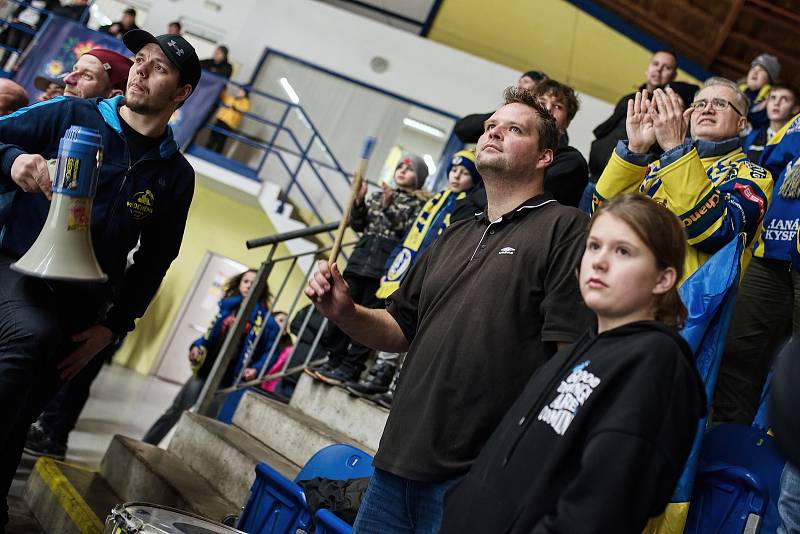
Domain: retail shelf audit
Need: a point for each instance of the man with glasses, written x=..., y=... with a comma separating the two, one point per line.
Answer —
x=706, y=180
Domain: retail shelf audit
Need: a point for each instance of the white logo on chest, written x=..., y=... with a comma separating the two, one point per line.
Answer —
x=507, y=250
x=572, y=393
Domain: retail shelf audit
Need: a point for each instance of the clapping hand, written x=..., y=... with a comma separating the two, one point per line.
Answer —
x=639, y=123
x=670, y=121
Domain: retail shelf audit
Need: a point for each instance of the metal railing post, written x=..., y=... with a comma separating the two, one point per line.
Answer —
x=230, y=347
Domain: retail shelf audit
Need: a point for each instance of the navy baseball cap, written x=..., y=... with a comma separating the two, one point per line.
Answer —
x=175, y=47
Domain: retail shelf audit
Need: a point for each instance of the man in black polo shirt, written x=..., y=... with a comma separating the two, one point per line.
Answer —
x=478, y=313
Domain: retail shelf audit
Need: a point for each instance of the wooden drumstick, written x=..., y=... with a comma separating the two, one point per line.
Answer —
x=358, y=179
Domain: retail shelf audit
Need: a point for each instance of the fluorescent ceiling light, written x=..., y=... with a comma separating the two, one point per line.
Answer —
x=430, y=163
x=289, y=90
x=422, y=127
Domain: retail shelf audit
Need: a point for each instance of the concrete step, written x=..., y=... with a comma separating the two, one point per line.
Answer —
x=20, y=518
x=224, y=455
x=358, y=418
x=67, y=499
x=142, y=472
x=287, y=430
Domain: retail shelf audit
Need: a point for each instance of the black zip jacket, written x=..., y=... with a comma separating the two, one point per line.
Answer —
x=144, y=202
x=382, y=229
x=594, y=444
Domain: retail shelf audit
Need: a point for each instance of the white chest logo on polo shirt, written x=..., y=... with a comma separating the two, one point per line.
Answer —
x=507, y=250
x=572, y=393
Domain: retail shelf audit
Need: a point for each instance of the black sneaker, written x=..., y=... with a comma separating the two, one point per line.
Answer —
x=337, y=376
x=384, y=399
x=376, y=382
x=38, y=443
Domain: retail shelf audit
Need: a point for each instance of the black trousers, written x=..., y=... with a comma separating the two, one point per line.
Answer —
x=37, y=319
x=766, y=313
x=216, y=140
x=185, y=399
x=62, y=412
x=343, y=351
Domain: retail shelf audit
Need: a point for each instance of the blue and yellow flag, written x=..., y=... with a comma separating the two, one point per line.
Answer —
x=708, y=296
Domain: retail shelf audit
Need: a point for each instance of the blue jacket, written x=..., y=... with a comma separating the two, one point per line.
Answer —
x=782, y=158
x=214, y=337
x=119, y=218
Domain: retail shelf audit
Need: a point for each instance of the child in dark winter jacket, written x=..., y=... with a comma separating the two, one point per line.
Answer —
x=598, y=439
x=383, y=218
x=431, y=221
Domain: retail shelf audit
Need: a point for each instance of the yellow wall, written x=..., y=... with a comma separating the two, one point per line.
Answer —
x=548, y=35
x=218, y=224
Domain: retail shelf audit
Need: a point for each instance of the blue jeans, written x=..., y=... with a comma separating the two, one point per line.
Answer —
x=396, y=505
x=585, y=205
x=789, y=501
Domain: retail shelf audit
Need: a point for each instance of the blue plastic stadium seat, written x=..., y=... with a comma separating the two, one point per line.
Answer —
x=278, y=505
x=738, y=479
x=337, y=462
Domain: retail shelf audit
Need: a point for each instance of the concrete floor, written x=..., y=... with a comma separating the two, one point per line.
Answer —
x=122, y=402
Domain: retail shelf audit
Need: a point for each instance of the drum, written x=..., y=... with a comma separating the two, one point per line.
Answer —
x=145, y=518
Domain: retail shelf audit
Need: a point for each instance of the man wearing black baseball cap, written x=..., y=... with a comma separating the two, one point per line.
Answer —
x=49, y=332
x=179, y=52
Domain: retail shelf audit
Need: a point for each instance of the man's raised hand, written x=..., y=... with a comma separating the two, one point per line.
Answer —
x=29, y=172
x=670, y=121
x=639, y=124
x=329, y=292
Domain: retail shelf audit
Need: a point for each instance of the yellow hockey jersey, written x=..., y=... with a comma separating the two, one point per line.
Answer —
x=711, y=186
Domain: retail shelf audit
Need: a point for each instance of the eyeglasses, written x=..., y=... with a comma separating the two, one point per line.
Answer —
x=719, y=104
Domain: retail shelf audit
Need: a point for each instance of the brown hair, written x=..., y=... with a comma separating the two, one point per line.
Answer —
x=562, y=92
x=663, y=233
x=787, y=87
x=231, y=287
x=545, y=126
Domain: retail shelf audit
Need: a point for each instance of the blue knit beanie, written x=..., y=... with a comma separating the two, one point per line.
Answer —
x=466, y=158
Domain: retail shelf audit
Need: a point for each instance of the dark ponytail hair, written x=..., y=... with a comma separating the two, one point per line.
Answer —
x=664, y=235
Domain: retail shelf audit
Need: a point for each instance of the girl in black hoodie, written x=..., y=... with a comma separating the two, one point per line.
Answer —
x=598, y=439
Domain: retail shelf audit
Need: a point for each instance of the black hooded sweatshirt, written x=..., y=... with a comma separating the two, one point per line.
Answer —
x=595, y=443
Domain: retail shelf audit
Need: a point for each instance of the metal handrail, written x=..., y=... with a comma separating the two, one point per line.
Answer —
x=37, y=31
x=293, y=234
x=231, y=345
x=299, y=150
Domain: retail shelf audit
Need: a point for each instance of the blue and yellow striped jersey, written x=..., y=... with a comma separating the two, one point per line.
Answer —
x=712, y=187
